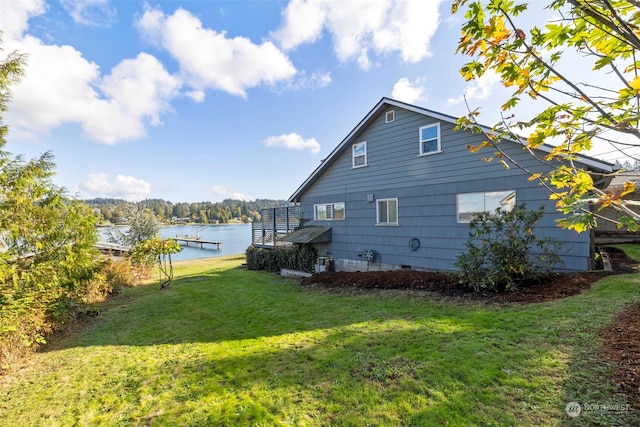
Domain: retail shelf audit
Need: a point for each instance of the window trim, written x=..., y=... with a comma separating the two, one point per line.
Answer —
x=484, y=193
x=365, y=155
x=438, y=139
x=387, y=224
x=332, y=218
x=390, y=116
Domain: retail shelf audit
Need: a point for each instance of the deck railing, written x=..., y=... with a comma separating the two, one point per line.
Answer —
x=275, y=223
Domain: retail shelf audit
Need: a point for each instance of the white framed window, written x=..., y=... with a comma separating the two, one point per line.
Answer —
x=359, y=154
x=430, y=139
x=387, y=212
x=389, y=116
x=328, y=211
x=473, y=203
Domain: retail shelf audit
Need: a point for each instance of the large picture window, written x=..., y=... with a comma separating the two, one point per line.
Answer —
x=328, y=211
x=430, y=139
x=473, y=203
x=387, y=212
x=359, y=154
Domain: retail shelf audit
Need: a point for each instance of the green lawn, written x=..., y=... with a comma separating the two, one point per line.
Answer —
x=227, y=346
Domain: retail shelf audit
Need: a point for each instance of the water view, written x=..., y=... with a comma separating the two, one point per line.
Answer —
x=235, y=239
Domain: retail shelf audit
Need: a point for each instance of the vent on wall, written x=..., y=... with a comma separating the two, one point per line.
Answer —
x=390, y=116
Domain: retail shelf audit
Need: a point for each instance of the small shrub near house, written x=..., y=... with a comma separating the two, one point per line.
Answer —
x=300, y=257
x=503, y=252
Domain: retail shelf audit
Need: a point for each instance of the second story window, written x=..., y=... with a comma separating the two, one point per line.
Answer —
x=359, y=154
x=430, y=139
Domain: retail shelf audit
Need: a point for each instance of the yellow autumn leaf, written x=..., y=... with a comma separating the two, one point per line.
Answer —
x=629, y=187
x=635, y=83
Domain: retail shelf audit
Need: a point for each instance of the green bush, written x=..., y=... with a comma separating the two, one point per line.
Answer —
x=503, y=251
x=300, y=257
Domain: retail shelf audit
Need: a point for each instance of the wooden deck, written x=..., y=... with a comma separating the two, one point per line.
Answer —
x=274, y=224
x=195, y=239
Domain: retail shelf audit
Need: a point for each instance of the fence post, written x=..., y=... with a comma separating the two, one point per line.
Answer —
x=275, y=226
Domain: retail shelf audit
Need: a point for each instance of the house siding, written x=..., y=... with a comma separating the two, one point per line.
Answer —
x=426, y=188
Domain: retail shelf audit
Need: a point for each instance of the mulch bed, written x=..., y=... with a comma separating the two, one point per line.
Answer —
x=621, y=340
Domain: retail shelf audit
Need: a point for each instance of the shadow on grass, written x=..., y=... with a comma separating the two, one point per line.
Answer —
x=241, y=346
x=232, y=304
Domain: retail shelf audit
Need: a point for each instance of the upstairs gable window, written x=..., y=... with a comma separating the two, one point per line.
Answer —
x=359, y=154
x=389, y=116
x=430, y=139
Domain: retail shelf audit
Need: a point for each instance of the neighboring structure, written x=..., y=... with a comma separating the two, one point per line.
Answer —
x=608, y=231
x=400, y=189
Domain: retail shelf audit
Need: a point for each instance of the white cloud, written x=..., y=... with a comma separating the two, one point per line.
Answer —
x=409, y=92
x=61, y=86
x=196, y=95
x=304, y=22
x=14, y=16
x=293, y=141
x=125, y=187
x=314, y=81
x=478, y=89
x=359, y=27
x=90, y=12
x=209, y=59
x=226, y=194
x=138, y=91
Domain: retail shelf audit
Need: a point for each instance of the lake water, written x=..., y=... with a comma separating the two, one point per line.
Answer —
x=235, y=238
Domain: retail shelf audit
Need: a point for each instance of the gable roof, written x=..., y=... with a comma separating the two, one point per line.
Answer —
x=596, y=164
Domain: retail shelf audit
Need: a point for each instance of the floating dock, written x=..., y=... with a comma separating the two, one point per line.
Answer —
x=195, y=239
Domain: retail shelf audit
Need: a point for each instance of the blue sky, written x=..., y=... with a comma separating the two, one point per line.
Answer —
x=205, y=100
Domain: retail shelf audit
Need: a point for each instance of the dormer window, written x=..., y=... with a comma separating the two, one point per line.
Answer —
x=359, y=154
x=430, y=139
x=389, y=116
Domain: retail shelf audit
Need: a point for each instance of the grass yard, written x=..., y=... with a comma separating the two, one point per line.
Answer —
x=227, y=346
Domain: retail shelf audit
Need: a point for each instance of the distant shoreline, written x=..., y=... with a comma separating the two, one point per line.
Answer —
x=186, y=224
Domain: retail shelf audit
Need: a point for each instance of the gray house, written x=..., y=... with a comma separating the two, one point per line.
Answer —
x=400, y=189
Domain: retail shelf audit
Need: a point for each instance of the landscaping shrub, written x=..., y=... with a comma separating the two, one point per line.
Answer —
x=503, y=251
x=300, y=257
x=24, y=327
x=114, y=275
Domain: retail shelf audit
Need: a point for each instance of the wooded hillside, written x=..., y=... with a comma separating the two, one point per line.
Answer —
x=112, y=210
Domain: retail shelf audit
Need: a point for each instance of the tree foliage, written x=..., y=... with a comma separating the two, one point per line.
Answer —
x=540, y=64
x=142, y=225
x=160, y=250
x=112, y=210
x=47, y=253
x=503, y=251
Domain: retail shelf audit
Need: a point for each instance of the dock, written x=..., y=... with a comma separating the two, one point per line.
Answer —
x=196, y=239
x=112, y=248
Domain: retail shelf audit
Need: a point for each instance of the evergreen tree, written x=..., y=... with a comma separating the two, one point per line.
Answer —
x=47, y=240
